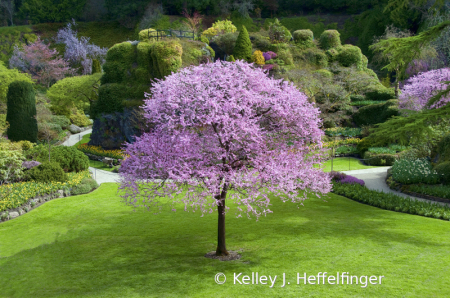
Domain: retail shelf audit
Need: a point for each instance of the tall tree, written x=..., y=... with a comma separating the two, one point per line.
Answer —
x=41, y=11
x=8, y=6
x=242, y=136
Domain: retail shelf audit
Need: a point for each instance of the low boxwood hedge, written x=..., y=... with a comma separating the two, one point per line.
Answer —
x=391, y=201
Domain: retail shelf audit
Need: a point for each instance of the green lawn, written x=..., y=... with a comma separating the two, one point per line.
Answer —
x=95, y=246
x=84, y=139
x=346, y=164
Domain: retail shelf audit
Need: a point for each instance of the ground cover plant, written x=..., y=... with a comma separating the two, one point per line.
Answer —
x=440, y=191
x=89, y=246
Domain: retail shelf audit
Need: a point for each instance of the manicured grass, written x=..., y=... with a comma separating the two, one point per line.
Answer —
x=99, y=165
x=342, y=164
x=84, y=139
x=94, y=246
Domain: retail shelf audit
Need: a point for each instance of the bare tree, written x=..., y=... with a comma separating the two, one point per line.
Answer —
x=8, y=6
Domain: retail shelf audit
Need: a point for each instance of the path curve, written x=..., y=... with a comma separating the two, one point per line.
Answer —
x=375, y=178
x=99, y=175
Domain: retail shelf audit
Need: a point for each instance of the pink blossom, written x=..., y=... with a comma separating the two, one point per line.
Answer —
x=221, y=126
x=419, y=89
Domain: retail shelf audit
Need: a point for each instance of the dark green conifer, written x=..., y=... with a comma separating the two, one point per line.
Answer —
x=21, y=114
x=243, y=47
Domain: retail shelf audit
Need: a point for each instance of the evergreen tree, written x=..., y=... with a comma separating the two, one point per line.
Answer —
x=21, y=115
x=243, y=47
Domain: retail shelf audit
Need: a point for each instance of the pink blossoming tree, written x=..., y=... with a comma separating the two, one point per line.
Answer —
x=225, y=131
x=41, y=62
x=419, y=89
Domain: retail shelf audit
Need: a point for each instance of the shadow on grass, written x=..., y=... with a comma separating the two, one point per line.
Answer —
x=104, y=249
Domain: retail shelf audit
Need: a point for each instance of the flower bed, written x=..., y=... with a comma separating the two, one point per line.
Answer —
x=16, y=194
x=390, y=201
x=98, y=151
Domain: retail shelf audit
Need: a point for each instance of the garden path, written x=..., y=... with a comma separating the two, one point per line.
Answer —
x=99, y=175
x=375, y=179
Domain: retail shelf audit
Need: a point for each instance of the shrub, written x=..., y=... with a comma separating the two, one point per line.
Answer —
x=272, y=55
x=96, y=67
x=379, y=92
x=304, y=38
x=260, y=42
x=258, y=58
x=70, y=159
x=443, y=170
x=21, y=114
x=357, y=97
x=44, y=127
x=377, y=159
x=324, y=73
x=329, y=39
x=48, y=172
x=110, y=97
x=204, y=39
x=226, y=42
x=147, y=35
x=60, y=120
x=350, y=55
x=278, y=33
x=382, y=150
x=243, y=47
x=376, y=113
x=80, y=189
x=231, y=58
x=166, y=57
x=316, y=57
x=408, y=171
x=60, y=110
x=286, y=56
x=79, y=119
x=390, y=201
x=10, y=166
x=440, y=191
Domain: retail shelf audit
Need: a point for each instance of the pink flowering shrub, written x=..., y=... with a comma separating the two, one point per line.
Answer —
x=267, y=67
x=419, y=89
x=40, y=62
x=218, y=138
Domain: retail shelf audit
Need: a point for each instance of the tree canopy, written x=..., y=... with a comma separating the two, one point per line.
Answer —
x=225, y=130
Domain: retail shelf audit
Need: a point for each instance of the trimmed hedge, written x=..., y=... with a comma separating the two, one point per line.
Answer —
x=330, y=39
x=70, y=159
x=350, y=55
x=443, y=169
x=304, y=38
x=374, y=159
x=379, y=92
x=48, y=172
x=391, y=201
x=377, y=113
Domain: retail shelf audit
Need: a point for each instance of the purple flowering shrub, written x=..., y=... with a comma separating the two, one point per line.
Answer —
x=266, y=56
x=30, y=164
x=267, y=66
x=272, y=55
x=344, y=178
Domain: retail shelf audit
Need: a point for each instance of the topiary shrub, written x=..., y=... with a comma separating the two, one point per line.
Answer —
x=110, y=97
x=21, y=113
x=443, y=170
x=304, y=38
x=165, y=57
x=258, y=58
x=379, y=92
x=48, y=172
x=243, y=48
x=332, y=54
x=70, y=159
x=147, y=35
x=330, y=39
x=376, y=113
x=350, y=55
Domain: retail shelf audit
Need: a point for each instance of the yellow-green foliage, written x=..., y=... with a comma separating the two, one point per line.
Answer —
x=316, y=56
x=324, y=73
x=7, y=76
x=258, y=58
x=219, y=27
x=286, y=56
x=192, y=52
x=119, y=60
x=231, y=58
x=10, y=36
x=166, y=57
x=78, y=118
x=3, y=124
x=329, y=39
x=7, y=145
x=204, y=39
x=146, y=35
x=332, y=54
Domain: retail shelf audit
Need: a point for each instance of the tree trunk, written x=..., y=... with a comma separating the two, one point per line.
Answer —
x=221, y=247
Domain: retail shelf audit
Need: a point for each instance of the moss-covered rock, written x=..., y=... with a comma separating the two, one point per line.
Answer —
x=329, y=39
